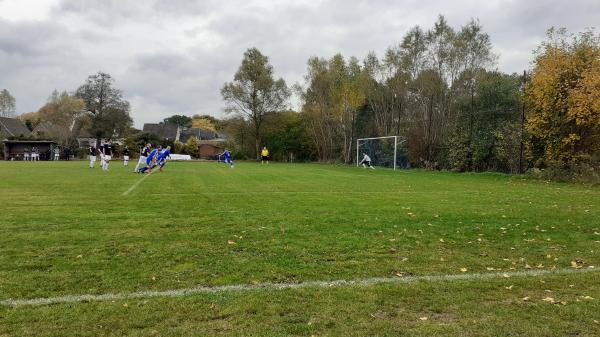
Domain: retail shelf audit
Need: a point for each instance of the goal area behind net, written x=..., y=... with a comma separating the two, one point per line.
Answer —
x=387, y=151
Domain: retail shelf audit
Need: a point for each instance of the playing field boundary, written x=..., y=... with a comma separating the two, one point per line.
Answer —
x=279, y=286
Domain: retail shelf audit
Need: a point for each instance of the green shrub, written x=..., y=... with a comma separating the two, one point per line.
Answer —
x=577, y=173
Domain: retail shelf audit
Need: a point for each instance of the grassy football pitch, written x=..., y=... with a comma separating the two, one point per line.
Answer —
x=68, y=230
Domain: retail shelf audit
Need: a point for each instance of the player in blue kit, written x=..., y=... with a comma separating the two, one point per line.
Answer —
x=162, y=158
x=151, y=160
x=227, y=158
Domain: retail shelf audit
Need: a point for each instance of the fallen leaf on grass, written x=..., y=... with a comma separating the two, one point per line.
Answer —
x=229, y=242
x=525, y=299
x=551, y=300
x=424, y=318
x=378, y=314
x=464, y=270
x=575, y=265
x=587, y=297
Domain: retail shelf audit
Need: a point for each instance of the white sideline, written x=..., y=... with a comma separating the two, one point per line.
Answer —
x=277, y=286
x=137, y=183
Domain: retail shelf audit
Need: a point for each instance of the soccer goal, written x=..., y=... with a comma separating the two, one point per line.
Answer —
x=389, y=151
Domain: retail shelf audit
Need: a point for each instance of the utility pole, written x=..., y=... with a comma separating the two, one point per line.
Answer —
x=522, y=120
x=471, y=112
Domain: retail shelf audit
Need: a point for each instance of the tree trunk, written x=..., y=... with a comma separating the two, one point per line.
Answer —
x=257, y=148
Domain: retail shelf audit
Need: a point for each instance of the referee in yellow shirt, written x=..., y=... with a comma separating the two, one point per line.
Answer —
x=264, y=154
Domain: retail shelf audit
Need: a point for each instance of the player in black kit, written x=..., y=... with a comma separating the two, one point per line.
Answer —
x=126, y=156
x=107, y=153
x=92, y=151
x=143, y=155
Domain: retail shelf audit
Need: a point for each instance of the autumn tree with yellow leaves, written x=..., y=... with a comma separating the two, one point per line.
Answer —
x=563, y=98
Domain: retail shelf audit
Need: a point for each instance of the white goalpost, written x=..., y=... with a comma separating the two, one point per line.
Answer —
x=382, y=150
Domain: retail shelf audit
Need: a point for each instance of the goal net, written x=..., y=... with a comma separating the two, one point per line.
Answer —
x=387, y=151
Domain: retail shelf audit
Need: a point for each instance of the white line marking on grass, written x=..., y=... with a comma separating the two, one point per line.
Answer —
x=277, y=286
x=295, y=192
x=137, y=183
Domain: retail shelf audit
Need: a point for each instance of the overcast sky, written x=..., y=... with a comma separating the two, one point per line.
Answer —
x=173, y=56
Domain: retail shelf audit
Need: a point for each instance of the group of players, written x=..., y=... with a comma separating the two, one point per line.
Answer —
x=106, y=152
x=149, y=158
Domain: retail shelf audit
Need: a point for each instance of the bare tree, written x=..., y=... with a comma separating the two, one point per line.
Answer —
x=254, y=93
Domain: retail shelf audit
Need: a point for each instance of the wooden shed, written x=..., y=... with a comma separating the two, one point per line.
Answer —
x=209, y=150
x=14, y=149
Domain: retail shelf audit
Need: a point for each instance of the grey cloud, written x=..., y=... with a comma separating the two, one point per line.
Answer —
x=30, y=38
x=185, y=7
x=162, y=75
x=36, y=58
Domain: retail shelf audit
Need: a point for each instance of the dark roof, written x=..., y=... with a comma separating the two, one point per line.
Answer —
x=162, y=130
x=201, y=134
x=216, y=141
x=207, y=134
x=28, y=141
x=13, y=127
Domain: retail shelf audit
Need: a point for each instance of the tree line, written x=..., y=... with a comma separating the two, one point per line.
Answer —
x=440, y=90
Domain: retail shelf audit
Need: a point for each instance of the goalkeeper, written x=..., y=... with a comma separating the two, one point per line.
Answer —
x=366, y=161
